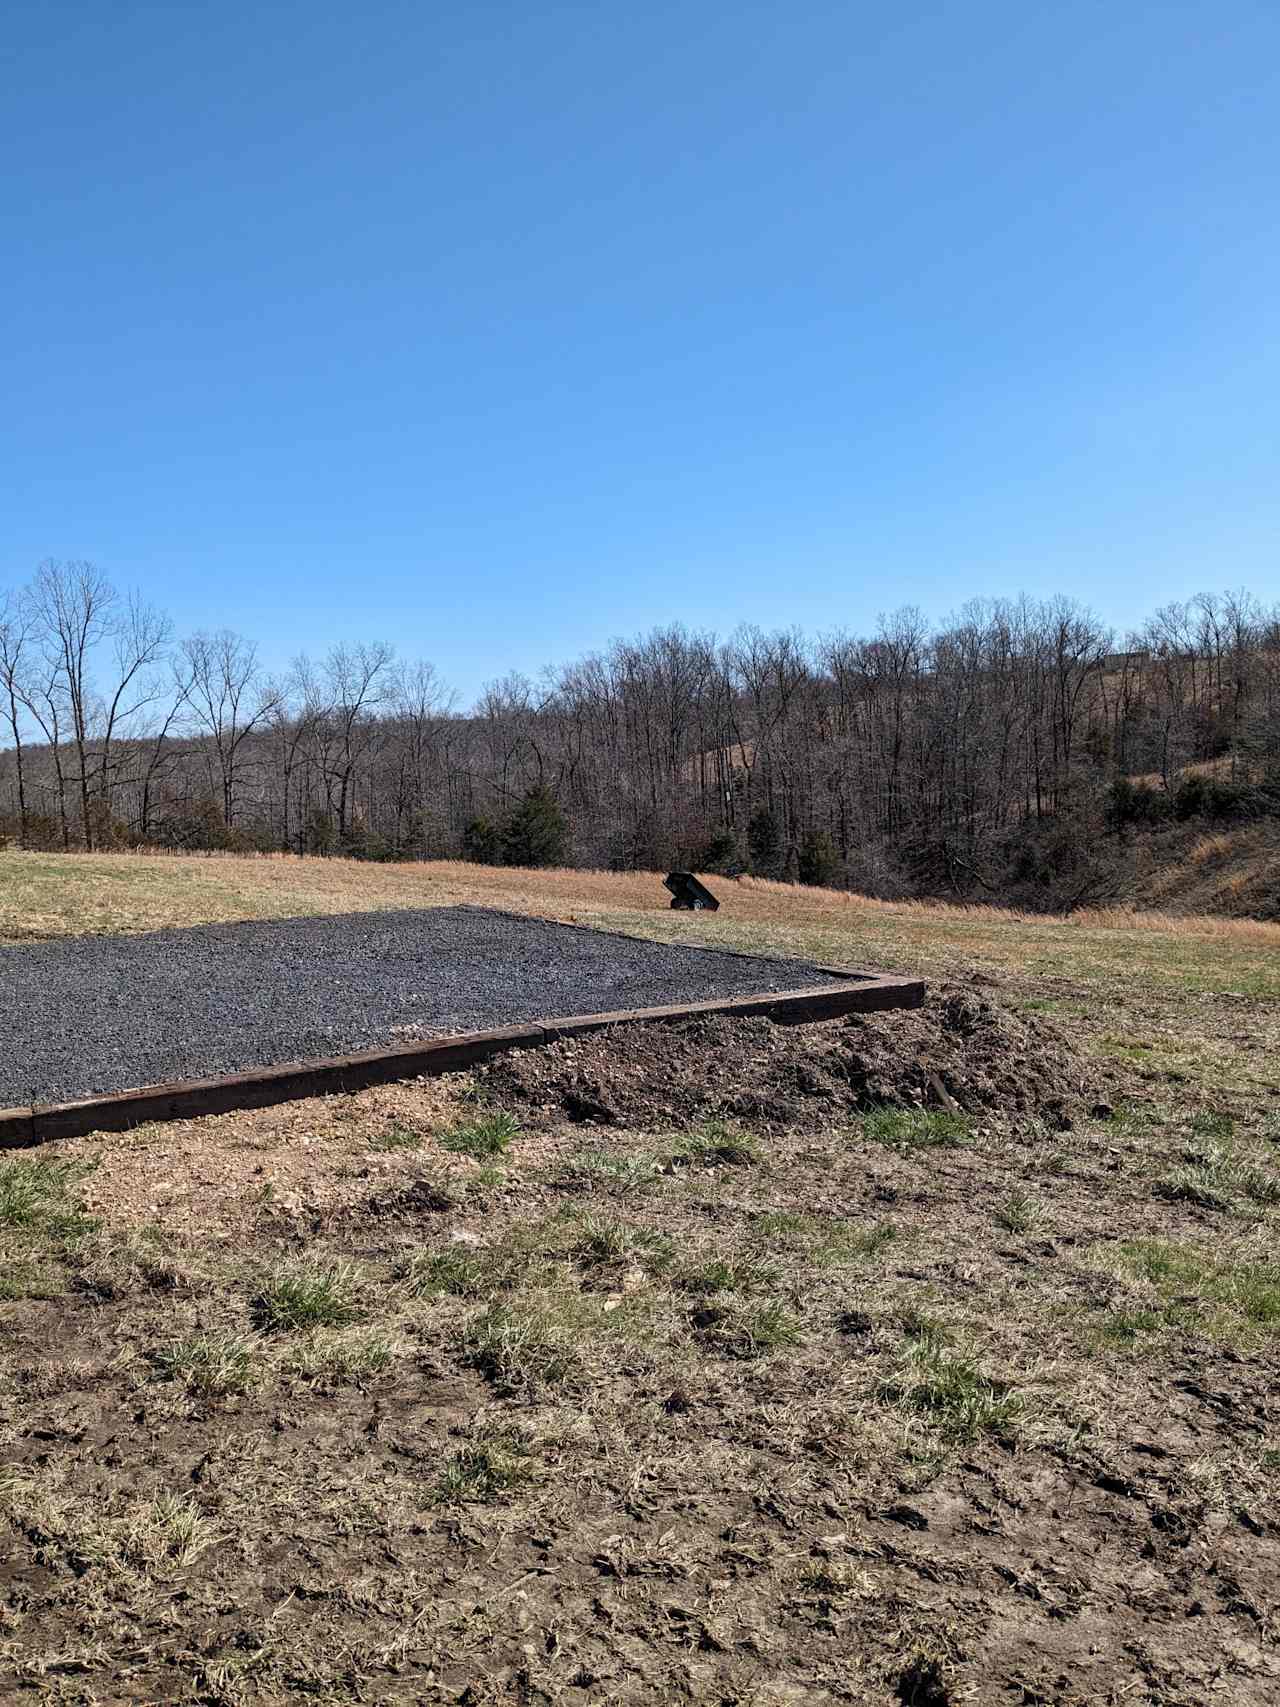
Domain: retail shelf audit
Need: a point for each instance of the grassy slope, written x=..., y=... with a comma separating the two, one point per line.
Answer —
x=895, y=1411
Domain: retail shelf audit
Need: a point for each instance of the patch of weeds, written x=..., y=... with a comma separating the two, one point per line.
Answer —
x=784, y=1227
x=170, y=1530
x=861, y=1242
x=38, y=1195
x=745, y=1330
x=463, y=1271
x=623, y=1171
x=910, y=1129
x=732, y=1273
x=826, y=1240
x=1019, y=1212
x=487, y=1136
x=1213, y=1177
x=1125, y=1327
x=925, y=1330
x=356, y=1358
x=1125, y=1049
x=490, y=1469
x=1169, y=1267
x=950, y=1389
x=26, y=1278
x=541, y=1339
x=1132, y=1118
x=715, y=1142
x=397, y=1138
x=486, y=1180
x=1181, y=1274
x=209, y=1364
x=603, y=1240
x=307, y=1297
x=1209, y=1124
x=149, y=1536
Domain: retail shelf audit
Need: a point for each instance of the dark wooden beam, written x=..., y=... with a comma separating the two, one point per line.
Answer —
x=849, y=992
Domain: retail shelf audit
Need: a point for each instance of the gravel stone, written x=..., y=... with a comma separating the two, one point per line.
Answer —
x=89, y=1015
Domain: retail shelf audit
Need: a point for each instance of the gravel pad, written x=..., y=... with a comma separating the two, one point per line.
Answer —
x=87, y=1015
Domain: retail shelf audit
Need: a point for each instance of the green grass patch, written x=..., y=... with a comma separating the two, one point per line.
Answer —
x=603, y=1240
x=398, y=1138
x=1125, y=1049
x=302, y=1296
x=544, y=1337
x=29, y=1278
x=621, y=1171
x=210, y=1365
x=1210, y=1124
x=487, y=1136
x=1213, y=1176
x=728, y=1273
x=826, y=1240
x=489, y=1470
x=353, y=1358
x=1127, y=1327
x=949, y=1388
x=1019, y=1212
x=715, y=1143
x=747, y=1330
x=910, y=1129
x=38, y=1196
x=1202, y=1289
x=464, y=1271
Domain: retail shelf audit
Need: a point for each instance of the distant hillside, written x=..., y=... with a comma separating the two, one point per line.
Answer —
x=1016, y=754
x=1233, y=872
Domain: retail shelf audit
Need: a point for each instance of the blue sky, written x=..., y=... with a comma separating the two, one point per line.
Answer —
x=499, y=330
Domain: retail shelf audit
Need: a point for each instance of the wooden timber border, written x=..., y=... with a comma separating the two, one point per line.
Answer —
x=850, y=992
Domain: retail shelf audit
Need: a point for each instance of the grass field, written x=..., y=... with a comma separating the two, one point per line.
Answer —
x=752, y=1392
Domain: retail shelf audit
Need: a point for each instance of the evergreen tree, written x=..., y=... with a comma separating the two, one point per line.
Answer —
x=764, y=843
x=818, y=862
x=721, y=854
x=537, y=832
x=482, y=842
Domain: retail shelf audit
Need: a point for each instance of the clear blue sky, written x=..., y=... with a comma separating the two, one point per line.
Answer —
x=499, y=330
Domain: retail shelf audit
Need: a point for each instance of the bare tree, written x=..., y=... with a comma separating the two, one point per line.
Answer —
x=77, y=615
x=229, y=700
x=15, y=649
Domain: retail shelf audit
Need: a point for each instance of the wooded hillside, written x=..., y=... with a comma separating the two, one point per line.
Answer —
x=990, y=753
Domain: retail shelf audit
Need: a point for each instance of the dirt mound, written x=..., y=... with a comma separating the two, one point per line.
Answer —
x=962, y=1051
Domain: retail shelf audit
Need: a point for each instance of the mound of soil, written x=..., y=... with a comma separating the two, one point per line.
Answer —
x=963, y=1051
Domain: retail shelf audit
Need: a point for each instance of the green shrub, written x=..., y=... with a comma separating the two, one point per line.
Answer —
x=537, y=832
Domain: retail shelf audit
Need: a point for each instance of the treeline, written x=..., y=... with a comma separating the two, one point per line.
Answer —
x=1008, y=748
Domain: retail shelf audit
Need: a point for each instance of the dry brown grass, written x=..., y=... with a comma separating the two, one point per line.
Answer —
x=823, y=1426
x=46, y=895
x=50, y=895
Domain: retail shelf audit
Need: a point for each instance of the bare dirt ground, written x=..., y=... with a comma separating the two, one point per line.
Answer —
x=920, y=1358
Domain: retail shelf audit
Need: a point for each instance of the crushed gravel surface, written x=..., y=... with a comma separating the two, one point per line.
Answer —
x=89, y=1015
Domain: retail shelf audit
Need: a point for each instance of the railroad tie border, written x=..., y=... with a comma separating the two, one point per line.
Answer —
x=852, y=992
